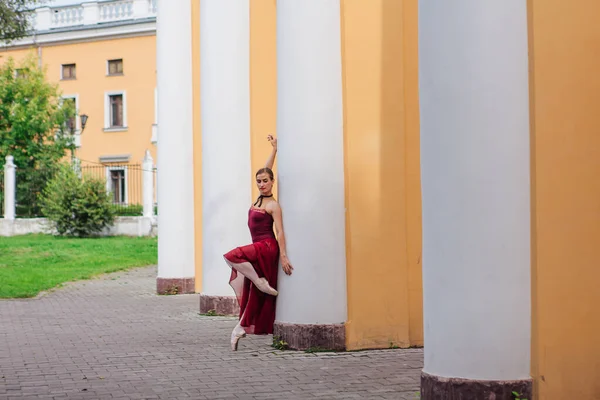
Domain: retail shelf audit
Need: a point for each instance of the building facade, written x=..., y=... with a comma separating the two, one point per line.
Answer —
x=103, y=57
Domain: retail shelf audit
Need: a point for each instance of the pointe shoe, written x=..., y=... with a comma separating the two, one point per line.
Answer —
x=237, y=333
x=263, y=285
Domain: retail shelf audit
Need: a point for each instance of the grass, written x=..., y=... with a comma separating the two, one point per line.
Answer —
x=31, y=264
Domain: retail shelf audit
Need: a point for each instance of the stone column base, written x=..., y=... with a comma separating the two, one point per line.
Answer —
x=315, y=337
x=439, y=388
x=175, y=285
x=222, y=305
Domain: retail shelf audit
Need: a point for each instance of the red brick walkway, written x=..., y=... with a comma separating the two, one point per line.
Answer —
x=113, y=338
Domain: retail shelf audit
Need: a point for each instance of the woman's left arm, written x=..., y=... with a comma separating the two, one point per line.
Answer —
x=278, y=220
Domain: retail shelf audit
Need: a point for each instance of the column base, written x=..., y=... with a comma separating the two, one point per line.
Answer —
x=222, y=305
x=175, y=285
x=439, y=388
x=314, y=337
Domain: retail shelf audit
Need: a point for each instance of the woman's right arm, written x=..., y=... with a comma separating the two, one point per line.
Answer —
x=271, y=160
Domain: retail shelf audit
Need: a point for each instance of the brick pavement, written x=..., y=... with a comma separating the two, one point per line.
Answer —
x=113, y=338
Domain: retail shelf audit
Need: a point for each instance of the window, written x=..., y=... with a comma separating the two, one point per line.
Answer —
x=154, y=138
x=68, y=71
x=71, y=122
x=116, y=183
x=115, y=67
x=20, y=73
x=115, y=111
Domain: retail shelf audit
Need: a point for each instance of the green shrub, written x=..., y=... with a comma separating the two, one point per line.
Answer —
x=132, y=210
x=77, y=207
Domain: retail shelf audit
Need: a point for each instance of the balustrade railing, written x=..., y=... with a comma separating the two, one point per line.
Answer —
x=92, y=13
x=116, y=10
x=66, y=16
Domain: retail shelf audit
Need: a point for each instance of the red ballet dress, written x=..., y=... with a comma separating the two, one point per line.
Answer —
x=257, y=309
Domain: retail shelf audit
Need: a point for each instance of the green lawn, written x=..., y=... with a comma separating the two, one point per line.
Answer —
x=33, y=263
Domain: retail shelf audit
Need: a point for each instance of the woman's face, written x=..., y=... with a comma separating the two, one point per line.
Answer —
x=264, y=183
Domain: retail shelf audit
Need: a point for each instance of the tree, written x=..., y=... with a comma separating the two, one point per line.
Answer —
x=33, y=127
x=15, y=19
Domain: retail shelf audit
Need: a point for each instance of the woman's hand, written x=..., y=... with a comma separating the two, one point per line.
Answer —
x=285, y=264
x=272, y=140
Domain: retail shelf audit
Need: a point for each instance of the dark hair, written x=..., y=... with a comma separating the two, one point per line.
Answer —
x=265, y=170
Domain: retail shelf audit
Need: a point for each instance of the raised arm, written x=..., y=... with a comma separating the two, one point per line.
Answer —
x=271, y=159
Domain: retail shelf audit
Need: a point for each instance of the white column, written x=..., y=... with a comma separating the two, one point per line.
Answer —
x=43, y=20
x=175, y=154
x=225, y=97
x=91, y=13
x=148, y=185
x=311, y=161
x=475, y=188
x=9, y=188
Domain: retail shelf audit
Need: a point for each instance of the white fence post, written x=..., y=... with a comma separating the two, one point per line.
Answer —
x=76, y=165
x=9, y=188
x=147, y=184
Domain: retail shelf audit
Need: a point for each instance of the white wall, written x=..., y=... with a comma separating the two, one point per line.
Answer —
x=311, y=161
x=123, y=226
x=475, y=188
x=225, y=97
x=175, y=152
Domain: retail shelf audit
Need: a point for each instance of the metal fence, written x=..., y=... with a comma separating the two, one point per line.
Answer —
x=30, y=184
x=124, y=183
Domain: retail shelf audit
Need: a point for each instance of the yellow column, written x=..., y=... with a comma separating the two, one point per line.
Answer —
x=410, y=35
x=197, y=132
x=382, y=173
x=263, y=82
x=564, y=89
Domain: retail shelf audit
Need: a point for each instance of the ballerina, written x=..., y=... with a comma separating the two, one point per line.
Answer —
x=254, y=267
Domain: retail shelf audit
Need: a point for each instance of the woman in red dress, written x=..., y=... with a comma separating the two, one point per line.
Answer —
x=254, y=266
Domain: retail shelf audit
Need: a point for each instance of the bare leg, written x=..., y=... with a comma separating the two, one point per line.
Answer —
x=237, y=333
x=248, y=271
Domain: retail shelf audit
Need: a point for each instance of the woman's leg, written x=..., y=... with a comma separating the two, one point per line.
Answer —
x=237, y=333
x=246, y=269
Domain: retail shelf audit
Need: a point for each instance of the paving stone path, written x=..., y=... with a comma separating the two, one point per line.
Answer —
x=114, y=338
